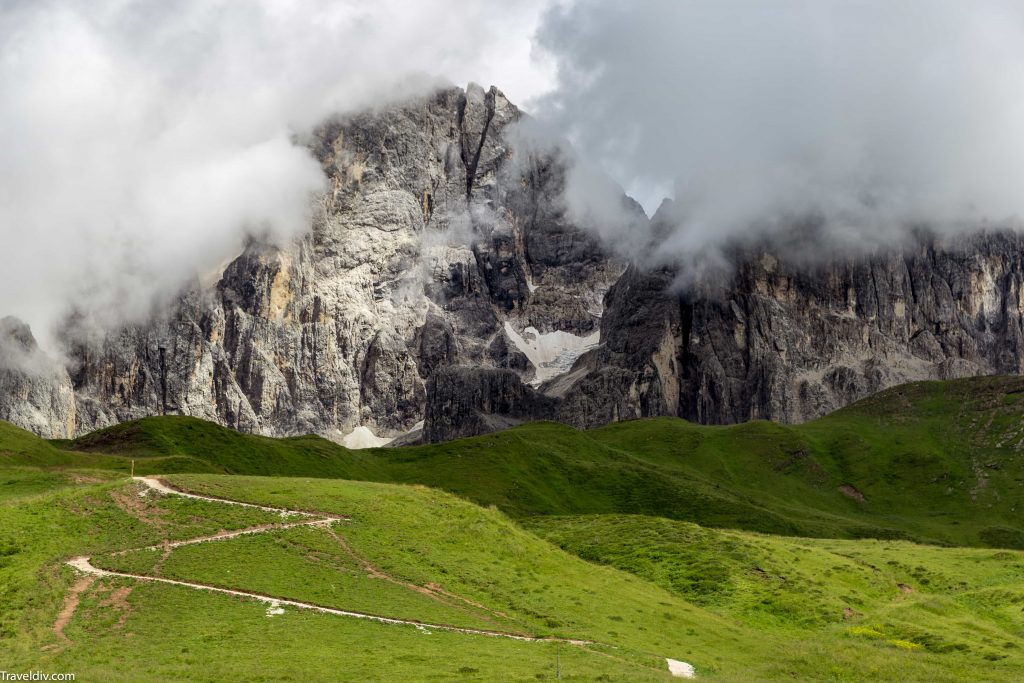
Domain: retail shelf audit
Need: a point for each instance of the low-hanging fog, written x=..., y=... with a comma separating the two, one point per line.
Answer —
x=144, y=139
x=868, y=116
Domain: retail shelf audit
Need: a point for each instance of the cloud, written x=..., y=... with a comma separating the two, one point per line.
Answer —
x=590, y=195
x=143, y=139
x=867, y=116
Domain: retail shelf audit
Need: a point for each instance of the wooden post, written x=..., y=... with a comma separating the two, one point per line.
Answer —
x=558, y=661
x=133, y=468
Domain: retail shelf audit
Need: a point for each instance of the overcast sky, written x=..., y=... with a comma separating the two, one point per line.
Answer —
x=142, y=139
x=871, y=114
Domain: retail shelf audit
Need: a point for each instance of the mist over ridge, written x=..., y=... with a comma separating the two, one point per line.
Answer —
x=869, y=119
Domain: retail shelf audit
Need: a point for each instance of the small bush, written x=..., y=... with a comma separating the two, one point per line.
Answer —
x=1002, y=537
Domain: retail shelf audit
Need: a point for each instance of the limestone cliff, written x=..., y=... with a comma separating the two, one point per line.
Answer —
x=35, y=391
x=789, y=342
x=435, y=233
x=441, y=282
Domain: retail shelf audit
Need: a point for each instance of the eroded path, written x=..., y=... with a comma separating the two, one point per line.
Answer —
x=275, y=604
x=84, y=565
x=160, y=487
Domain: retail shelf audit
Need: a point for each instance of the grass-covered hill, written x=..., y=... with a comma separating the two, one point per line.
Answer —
x=628, y=591
x=874, y=544
x=935, y=599
x=933, y=461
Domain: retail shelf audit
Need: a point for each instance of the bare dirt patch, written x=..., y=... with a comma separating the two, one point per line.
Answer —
x=131, y=503
x=166, y=553
x=851, y=492
x=83, y=479
x=118, y=600
x=71, y=601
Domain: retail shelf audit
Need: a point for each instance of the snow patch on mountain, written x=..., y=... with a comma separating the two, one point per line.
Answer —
x=363, y=437
x=553, y=353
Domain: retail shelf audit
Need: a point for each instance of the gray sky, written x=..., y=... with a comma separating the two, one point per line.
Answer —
x=868, y=113
x=144, y=138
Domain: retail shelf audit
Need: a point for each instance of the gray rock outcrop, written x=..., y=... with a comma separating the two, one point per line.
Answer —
x=433, y=236
x=440, y=277
x=36, y=391
x=465, y=401
x=791, y=341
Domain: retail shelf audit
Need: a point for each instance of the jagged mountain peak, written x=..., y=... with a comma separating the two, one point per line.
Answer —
x=428, y=242
x=442, y=282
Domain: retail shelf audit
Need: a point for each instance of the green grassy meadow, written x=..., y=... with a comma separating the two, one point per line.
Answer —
x=882, y=542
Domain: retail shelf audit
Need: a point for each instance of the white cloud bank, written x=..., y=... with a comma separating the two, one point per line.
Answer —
x=142, y=139
x=866, y=114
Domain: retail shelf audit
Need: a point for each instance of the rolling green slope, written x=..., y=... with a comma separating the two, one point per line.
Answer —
x=53, y=619
x=940, y=600
x=795, y=569
x=25, y=448
x=176, y=443
x=932, y=461
x=403, y=544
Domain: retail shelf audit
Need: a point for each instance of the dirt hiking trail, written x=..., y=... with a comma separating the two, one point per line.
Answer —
x=274, y=603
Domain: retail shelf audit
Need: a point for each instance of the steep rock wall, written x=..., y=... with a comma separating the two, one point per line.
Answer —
x=792, y=341
x=433, y=234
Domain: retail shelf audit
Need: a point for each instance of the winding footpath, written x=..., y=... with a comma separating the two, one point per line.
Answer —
x=274, y=604
x=83, y=564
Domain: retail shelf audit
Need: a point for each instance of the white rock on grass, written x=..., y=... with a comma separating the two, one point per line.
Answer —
x=681, y=669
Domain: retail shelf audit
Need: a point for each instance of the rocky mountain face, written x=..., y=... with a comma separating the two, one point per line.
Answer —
x=441, y=291
x=790, y=342
x=435, y=241
x=35, y=391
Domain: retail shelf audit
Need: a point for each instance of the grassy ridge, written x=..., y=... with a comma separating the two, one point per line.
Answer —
x=429, y=538
x=178, y=635
x=940, y=600
x=173, y=633
x=84, y=515
x=741, y=606
x=932, y=461
x=426, y=537
x=942, y=630
x=175, y=443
